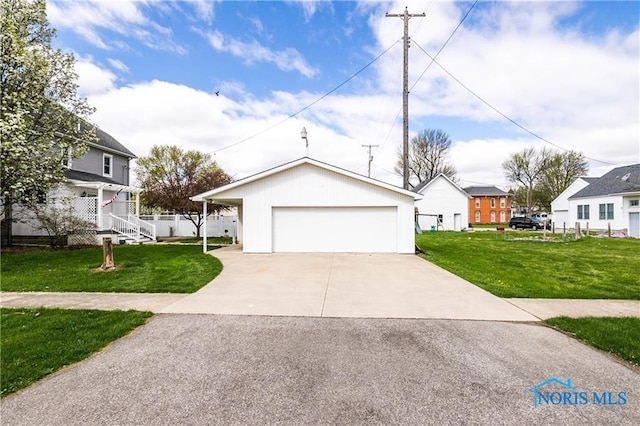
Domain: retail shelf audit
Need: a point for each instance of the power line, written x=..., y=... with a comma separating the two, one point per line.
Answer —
x=512, y=121
x=309, y=105
x=445, y=43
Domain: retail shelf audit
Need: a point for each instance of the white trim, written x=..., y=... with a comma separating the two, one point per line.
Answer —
x=449, y=180
x=110, y=157
x=210, y=194
x=104, y=185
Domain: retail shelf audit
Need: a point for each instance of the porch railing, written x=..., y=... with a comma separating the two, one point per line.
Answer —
x=132, y=227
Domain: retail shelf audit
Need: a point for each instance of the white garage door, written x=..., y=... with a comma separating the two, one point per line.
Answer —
x=335, y=229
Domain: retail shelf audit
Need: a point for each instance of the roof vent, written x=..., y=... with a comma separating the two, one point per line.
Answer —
x=625, y=177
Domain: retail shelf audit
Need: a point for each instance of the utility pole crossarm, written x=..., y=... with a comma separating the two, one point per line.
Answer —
x=405, y=92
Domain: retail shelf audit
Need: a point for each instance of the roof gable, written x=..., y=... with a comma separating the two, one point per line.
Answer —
x=306, y=160
x=620, y=180
x=423, y=186
x=108, y=143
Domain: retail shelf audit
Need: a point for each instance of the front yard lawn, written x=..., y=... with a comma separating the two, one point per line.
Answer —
x=161, y=268
x=508, y=265
x=38, y=342
x=620, y=336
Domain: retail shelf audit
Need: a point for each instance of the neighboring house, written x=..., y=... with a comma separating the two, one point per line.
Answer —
x=310, y=206
x=488, y=204
x=560, y=206
x=610, y=201
x=98, y=188
x=444, y=205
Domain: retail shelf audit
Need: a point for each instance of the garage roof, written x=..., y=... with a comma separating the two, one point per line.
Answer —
x=306, y=160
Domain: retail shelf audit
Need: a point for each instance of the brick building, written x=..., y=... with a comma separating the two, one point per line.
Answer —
x=488, y=204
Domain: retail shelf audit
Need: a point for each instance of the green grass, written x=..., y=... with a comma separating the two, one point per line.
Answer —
x=37, y=342
x=501, y=263
x=161, y=268
x=620, y=336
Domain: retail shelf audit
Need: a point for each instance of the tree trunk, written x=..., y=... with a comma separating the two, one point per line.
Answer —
x=107, y=250
x=7, y=223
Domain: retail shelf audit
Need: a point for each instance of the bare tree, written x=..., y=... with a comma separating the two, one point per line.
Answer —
x=526, y=168
x=428, y=157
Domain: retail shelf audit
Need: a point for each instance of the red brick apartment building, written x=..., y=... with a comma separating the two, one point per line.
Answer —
x=488, y=204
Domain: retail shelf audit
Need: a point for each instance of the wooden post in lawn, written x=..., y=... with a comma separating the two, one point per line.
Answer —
x=587, y=229
x=107, y=250
x=578, y=235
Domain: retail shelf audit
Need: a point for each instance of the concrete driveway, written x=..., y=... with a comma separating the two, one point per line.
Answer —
x=230, y=370
x=342, y=285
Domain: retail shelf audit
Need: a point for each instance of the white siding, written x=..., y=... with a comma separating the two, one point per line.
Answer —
x=561, y=203
x=307, y=185
x=619, y=221
x=441, y=197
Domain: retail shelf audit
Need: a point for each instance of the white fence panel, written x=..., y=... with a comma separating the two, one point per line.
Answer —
x=179, y=226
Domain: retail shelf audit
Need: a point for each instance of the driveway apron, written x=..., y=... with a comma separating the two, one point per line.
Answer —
x=342, y=285
x=258, y=370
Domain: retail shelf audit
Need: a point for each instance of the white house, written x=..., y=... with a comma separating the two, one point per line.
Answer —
x=560, y=206
x=612, y=200
x=444, y=204
x=98, y=189
x=310, y=206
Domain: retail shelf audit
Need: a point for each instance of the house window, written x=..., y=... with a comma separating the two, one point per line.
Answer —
x=634, y=203
x=67, y=159
x=477, y=217
x=493, y=214
x=606, y=211
x=477, y=205
x=503, y=204
x=583, y=211
x=493, y=203
x=503, y=217
x=107, y=163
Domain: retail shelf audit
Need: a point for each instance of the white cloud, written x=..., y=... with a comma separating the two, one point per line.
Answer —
x=93, y=79
x=118, y=65
x=94, y=20
x=579, y=92
x=288, y=59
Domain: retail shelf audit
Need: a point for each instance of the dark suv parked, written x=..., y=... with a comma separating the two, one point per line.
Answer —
x=527, y=223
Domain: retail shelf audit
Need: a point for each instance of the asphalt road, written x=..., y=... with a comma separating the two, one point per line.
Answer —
x=192, y=369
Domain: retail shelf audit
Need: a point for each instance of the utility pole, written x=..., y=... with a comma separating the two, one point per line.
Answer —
x=405, y=92
x=370, y=156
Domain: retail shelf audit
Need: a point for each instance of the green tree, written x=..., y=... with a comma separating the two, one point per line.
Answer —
x=169, y=176
x=560, y=171
x=41, y=115
x=428, y=157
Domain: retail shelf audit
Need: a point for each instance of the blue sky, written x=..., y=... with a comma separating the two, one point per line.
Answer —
x=567, y=71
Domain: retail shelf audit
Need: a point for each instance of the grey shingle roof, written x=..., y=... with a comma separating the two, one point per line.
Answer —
x=618, y=181
x=87, y=177
x=479, y=191
x=107, y=141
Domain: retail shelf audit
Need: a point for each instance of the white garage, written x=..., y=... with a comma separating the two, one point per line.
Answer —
x=310, y=206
